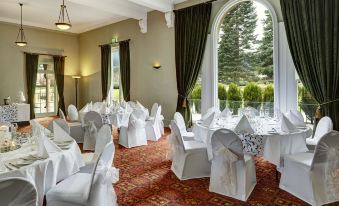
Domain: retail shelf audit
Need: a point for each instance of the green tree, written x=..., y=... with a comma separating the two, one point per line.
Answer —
x=222, y=95
x=265, y=50
x=268, y=93
x=236, y=43
x=252, y=95
x=307, y=103
x=234, y=98
x=196, y=98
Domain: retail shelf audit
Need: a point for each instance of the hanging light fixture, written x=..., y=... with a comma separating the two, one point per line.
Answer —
x=62, y=24
x=20, y=39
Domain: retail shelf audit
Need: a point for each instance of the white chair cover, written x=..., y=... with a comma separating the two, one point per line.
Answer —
x=324, y=126
x=103, y=137
x=314, y=178
x=61, y=114
x=189, y=158
x=161, y=122
x=135, y=134
x=140, y=106
x=93, y=189
x=153, y=127
x=93, y=123
x=17, y=192
x=154, y=110
x=73, y=114
x=232, y=172
x=179, y=119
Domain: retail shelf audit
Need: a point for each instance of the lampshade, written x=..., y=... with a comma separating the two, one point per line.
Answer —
x=63, y=23
x=76, y=77
x=21, y=39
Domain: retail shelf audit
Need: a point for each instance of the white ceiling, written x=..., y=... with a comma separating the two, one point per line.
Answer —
x=85, y=15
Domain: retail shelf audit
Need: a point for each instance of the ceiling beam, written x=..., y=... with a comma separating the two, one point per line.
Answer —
x=159, y=5
x=121, y=8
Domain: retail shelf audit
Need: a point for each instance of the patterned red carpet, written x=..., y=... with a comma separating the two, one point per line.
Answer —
x=146, y=179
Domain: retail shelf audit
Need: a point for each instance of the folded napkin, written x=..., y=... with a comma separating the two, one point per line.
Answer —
x=209, y=121
x=59, y=134
x=244, y=126
x=50, y=145
x=225, y=113
x=84, y=109
x=286, y=125
x=37, y=128
x=41, y=148
x=295, y=119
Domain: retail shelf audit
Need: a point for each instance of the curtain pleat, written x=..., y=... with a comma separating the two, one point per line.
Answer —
x=59, y=70
x=32, y=61
x=191, y=29
x=312, y=29
x=105, y=70
x=125, y=69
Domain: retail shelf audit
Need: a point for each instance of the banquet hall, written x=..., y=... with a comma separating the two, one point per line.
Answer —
x=169, y=102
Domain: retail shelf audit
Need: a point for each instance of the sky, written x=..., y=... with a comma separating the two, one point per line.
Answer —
x=260, y=9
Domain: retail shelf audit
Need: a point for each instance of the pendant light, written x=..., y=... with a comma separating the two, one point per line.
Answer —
x=20, y=39
x=62, y=24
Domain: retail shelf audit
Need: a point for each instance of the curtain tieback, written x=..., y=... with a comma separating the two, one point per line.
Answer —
x=184, y=103
x=318, y=114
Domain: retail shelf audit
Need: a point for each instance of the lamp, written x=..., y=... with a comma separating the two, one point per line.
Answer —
x=76, y=81
x=62, y=24
x=22, y=40
x=157, y=66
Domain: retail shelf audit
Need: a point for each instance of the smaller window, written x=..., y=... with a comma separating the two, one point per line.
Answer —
x=116, y=90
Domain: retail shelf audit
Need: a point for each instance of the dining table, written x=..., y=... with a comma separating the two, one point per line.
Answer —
x=43, y=173
x=267, y=140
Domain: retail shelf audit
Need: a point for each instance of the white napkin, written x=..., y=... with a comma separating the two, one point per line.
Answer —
x=295, y=119
x=84, y=109
x=50, y=146
x=208, y=122
x=244, y=126
x=41, y=149
x=225, y=113
x=59, y=134
x=37, y=128
x=103, y=109
x=286, y=125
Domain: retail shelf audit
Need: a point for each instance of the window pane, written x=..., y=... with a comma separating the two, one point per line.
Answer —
x=115, y=88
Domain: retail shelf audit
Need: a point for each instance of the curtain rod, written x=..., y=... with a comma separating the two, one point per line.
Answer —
x=113, y=43
x=44, y=54
x=210, y=1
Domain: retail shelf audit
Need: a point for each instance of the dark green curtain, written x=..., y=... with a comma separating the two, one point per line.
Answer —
x=59, y=71
x=105, y=70
x=191, y=29
x=312, y=28
x=32, y=61
x=125, y=68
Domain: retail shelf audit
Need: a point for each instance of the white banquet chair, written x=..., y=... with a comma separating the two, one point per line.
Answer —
x=93, y=123
x=103, y=137
x=189, y=158
x=134, y=134
x=314, y=177
x=17, y=191
x=324, y=126
x=73, y=114
x=90, y=189
x=153, y=128
x=179, y=119
x=154, y=110
x=232, y=171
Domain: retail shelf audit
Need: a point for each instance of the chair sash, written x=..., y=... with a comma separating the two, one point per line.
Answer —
x=229, y=179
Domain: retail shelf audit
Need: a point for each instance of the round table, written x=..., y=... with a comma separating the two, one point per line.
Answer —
x=267, y=141
x=44, y=173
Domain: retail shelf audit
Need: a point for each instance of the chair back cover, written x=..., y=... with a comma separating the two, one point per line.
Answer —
x=179, y=119
x=229, y=140
x=324, y=126
x=139, y=114
x=63, y=124
x=73, y=114
x=154, y=109
x=17, y=192
x=103, y=137
x=61, y=114
x=176, y=131
x=325, y=166
x=95, y=117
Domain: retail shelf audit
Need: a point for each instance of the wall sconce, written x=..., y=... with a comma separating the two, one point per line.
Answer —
x=157, y=66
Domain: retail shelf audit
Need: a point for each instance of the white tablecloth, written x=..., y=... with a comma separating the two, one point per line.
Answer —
x=45, y=173
x=272, y=146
